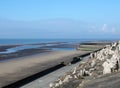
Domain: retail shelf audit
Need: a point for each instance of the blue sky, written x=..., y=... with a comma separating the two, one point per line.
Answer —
x=59, y=19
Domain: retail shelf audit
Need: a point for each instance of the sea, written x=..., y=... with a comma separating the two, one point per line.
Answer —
x=27, y=43
x=35, y=41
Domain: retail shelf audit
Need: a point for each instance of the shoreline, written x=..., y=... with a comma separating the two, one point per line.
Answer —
x=32, y=51
x=43, y=82
x=102, y=70
x=17, y=69
x=45, y=48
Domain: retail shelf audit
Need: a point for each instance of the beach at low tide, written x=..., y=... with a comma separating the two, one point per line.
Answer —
x=16, y=69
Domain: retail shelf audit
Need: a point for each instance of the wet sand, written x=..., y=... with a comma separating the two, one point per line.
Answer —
x=4, y=47
x=12, y=70
x=16, y=69
x=40, y=48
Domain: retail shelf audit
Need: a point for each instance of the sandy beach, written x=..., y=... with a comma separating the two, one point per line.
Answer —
x=44, y=81
x=16, y=69
x=59, y=44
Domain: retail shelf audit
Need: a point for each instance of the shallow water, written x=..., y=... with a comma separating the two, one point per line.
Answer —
x=46, y=46
x=37, y=43
x=18, y=48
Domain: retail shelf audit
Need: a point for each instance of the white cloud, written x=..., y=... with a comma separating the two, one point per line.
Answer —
x=104, y=29
x=108, y=29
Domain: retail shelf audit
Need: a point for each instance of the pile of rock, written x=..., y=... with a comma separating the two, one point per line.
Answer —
x=105, y=61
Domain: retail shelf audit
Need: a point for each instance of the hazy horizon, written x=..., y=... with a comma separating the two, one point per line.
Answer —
x=59, y=19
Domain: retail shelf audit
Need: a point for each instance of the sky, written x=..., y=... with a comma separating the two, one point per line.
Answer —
x=66, y=19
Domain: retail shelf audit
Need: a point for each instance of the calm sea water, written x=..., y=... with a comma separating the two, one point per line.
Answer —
x=33, y=41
